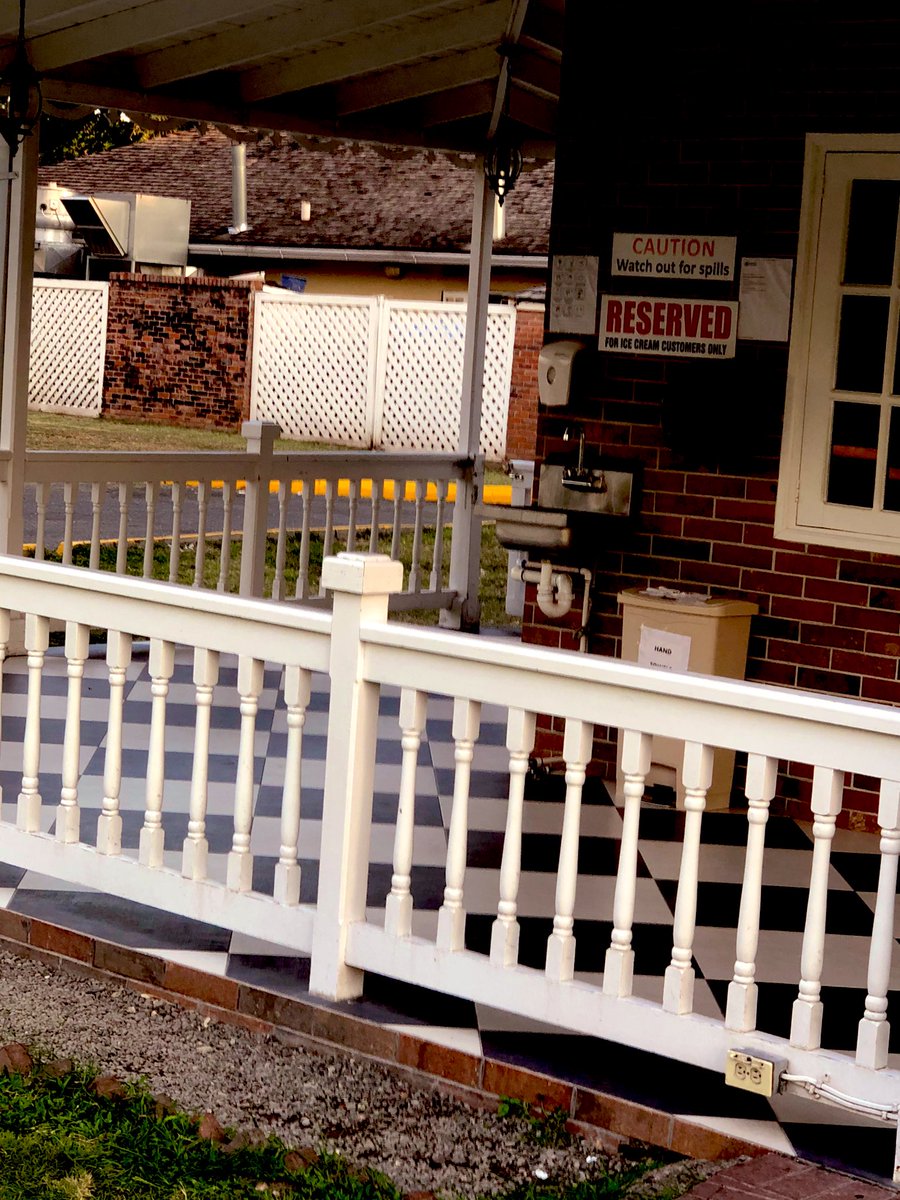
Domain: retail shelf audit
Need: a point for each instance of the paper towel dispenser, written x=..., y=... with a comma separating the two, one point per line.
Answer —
x=555, y=365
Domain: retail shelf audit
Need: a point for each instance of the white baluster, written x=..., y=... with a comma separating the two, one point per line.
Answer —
x=68, y=819
x=874, y=1028
x=806, y=1017
x=225, y=555
x=4, y=647
x=399, y=492
x=328, y=536
x=451, y=930
x=281, y=545
x=109, y=823
x=240, y=860
x=696, y=775
x=43, y=500
x=618, y=970
x=398, y=905
x=200, y=555
x=740, y=1012
x=70, y=494
x=297, y=690
x=162, y=664
x=505, y=930
x=122, y=543
x=37, y=639
x=415, y=568
x=195, y=851
x=353, y=504
x=437, y=564
x=97, y=490
x=151, y=495
x=577, y=743
x=175, y=552
x=301, y=591
x=376, y=511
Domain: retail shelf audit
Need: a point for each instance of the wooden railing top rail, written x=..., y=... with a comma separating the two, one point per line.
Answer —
x=848, y=735
x=61, y=466
x=262, y=629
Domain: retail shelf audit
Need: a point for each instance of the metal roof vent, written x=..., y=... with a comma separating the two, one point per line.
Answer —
x=144, y=229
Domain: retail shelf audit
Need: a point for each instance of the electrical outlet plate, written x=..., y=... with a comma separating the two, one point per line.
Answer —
x=753, y=1073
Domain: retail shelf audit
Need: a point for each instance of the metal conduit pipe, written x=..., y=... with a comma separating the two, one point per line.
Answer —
x=554, y=593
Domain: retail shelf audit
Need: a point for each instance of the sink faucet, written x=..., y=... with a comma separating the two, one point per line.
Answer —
x=576, y=431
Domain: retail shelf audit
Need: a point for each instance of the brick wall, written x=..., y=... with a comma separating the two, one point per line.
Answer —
x=719, y=149
x=521, y=422
x=179, y=350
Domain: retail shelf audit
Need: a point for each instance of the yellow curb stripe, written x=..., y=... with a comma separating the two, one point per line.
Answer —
x=492, y=493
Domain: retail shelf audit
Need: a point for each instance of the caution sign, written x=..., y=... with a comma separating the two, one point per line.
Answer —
x=674, y=256
x=668, y=327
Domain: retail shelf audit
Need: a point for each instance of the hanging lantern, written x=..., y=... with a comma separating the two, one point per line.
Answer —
x=24, y=102
x=502, y=166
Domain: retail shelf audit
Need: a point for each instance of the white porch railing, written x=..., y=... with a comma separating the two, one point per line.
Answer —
x=206, y=509
x=362, y=652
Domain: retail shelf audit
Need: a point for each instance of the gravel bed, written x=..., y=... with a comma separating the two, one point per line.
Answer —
x=420, y=1137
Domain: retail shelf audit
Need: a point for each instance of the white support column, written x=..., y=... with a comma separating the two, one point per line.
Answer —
x=505, y=930
x=260, y=437
x=195, y=849
x=465, y=551
x=361, y=584
x=17, y=216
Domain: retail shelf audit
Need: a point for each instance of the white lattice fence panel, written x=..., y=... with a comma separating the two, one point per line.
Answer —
x=314, y=366
x=68, y=346
x=422, y=377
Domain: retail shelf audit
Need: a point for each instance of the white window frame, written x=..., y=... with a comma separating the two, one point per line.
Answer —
x=801, y=512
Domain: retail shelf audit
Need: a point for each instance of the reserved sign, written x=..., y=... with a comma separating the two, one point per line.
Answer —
x=671, y=327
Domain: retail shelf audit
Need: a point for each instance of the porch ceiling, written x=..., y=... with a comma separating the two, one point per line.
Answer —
x=416, y=72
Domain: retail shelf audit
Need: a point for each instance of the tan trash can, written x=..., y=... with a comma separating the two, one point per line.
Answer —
x=709, y=636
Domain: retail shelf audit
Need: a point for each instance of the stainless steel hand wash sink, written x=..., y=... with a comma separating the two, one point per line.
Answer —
x=575, y=506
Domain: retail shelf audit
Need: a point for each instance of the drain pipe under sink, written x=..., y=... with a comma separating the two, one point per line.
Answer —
x=554, y=591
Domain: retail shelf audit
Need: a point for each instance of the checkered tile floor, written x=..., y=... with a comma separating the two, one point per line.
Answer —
x=789, y=1124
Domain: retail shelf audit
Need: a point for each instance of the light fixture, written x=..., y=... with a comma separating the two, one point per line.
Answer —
x=502, y=166
x=24, y=102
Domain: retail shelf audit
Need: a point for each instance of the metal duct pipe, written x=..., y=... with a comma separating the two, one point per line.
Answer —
x=238, y=188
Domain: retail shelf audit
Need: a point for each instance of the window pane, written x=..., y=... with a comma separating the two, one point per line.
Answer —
x=892, y=477
x=854, y=454
x=872, y=231
x=861, y=343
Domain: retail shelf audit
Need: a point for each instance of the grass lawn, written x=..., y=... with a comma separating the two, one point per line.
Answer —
x=54, y=432
x=67, y=1135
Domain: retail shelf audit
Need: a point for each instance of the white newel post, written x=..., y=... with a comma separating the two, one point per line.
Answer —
x=260, y=437
x=361, y=585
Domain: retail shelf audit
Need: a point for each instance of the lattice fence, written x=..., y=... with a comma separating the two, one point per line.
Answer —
x=372, y=372
x=314, y=366
x=68, y=346
x=421, y=377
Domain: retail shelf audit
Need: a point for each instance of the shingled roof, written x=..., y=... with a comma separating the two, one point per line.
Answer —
x=360, y=196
